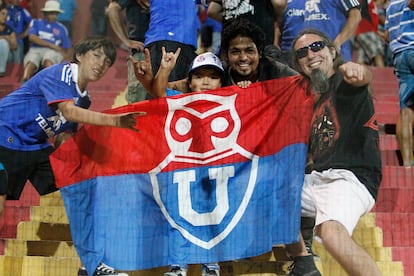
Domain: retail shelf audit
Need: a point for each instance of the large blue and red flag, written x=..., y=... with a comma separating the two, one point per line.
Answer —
x=211, y=176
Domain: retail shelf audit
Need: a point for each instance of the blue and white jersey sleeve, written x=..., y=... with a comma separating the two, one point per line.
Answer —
x=29, y=116
x=330, y=17
x=400, y=26
x=172, y=92
x=55, y=33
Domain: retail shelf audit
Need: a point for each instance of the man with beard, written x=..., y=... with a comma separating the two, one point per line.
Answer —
x=344, y=169
x=242, y=46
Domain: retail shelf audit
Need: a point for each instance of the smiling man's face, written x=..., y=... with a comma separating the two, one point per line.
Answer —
x=320, y=58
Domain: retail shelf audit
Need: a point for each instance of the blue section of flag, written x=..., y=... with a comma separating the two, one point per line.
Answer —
x=134, y=222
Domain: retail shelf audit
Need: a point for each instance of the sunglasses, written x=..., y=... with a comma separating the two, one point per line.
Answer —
x=314, y=47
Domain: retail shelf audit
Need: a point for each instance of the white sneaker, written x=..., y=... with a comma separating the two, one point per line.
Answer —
x=210, y=270
x=176, y=271
x=104, y=270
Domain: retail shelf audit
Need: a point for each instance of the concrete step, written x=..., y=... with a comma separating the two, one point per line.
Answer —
x=382, y=256
x=49, y=214
x=366, y=221
x=397, y=177
x=384, y=81
x=397, y=200
x=38, y=266
x=379, y=254
x=386, y=268
x=398, y=228
x=405, y=254
x=36, y=231
x=386, y=117
x=391, y=158
x=388, y=142
x=53, y=199
x=68, y=266
x=386, y=106
x=368, y=237
x=21, y=248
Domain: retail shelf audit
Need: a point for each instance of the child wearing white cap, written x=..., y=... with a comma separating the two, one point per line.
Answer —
x=206, y=73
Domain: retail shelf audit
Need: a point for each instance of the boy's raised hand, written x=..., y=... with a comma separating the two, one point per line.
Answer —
x=169, y=59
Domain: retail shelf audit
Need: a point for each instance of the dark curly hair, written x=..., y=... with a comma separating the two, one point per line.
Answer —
x=93, y=43
x=241, y=27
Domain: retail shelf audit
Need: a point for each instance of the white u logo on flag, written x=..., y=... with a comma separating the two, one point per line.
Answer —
x=221, y=177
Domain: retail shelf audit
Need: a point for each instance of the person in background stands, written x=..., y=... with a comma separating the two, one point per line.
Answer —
x=263, y=13
x=8, y=41
x=66, y=16
x=98, y=17
x=49, y=41
x=19, y=19
x=370, y=47
x=137, y=20
x=400, y=27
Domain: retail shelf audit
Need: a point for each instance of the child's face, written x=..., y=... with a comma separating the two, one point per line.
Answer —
x=93, y=64
x=205, y=78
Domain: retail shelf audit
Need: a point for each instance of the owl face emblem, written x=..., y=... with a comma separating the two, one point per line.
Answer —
x=199, y=129
x=220, y=126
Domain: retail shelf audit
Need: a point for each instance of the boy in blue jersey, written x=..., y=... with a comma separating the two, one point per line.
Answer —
x=50, y=106
x=206, y=73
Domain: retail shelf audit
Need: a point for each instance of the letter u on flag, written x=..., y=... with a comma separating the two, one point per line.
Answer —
x=210, y=177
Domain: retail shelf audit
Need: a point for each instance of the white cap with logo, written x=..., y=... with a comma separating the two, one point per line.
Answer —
x=206, y=59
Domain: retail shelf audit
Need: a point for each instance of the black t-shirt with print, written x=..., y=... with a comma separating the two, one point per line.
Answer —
x=137, y=19
x=259, y=12
x=344, y=133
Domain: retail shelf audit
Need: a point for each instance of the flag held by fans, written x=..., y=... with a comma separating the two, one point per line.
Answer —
x=210, y=177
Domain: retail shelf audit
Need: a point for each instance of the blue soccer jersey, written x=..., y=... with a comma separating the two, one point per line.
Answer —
x=399, y=26
x=173, y=21
x=55, y=33
x=330, y=17
x=29, y=116
x=292, y=23
x=18, y=18
x=172, y=92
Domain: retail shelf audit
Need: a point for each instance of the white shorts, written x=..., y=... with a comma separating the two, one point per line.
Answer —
x=335, y=194
x=38, y=55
